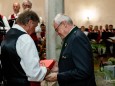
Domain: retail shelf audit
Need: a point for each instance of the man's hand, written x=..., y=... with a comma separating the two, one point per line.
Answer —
x=48, y=71
x=51, y=77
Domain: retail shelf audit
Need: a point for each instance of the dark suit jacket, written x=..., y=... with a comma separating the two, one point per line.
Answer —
x=76, y=61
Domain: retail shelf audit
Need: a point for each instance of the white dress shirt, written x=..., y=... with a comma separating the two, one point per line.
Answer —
x=5, y=21
x=27, y=51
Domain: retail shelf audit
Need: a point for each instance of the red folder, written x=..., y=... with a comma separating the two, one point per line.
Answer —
x=48, y=63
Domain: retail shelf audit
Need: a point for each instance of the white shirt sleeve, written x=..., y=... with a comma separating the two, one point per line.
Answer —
x=27, y=51
x=9, y=17
x=7, y=26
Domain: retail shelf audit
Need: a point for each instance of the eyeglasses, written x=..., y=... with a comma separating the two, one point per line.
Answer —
x=27, y=5
x=56, y=29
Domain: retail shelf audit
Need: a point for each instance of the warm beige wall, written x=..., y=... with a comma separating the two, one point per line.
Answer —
x=104, y=10
x=6, y=6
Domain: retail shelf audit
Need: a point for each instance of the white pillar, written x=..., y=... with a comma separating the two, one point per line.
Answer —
x=53, y=41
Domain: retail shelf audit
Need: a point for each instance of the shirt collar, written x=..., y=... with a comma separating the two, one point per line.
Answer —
x=71, y=31
x=19, y=27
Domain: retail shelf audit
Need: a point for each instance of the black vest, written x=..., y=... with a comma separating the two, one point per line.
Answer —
x=10, y=59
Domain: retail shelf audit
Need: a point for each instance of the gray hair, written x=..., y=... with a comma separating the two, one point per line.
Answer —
x=27, y=2
x=61, y=17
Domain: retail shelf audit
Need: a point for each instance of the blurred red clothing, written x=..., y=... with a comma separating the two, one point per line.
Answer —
x=35, y=84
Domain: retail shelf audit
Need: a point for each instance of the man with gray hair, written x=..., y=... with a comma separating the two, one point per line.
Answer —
x=26, y=4
x=19, y=56
x=75, y=64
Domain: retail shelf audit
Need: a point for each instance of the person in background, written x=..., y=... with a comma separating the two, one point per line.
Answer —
x=43, y=30
x=19, y=56
x=16, y=9
x=106, y=28
x=4, y=25
x=75, y=64
x=26, y=4
x=90, y=28
x=12, y=18
x=83, y=29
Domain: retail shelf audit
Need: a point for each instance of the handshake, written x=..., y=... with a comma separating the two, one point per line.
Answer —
x=52, y=69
